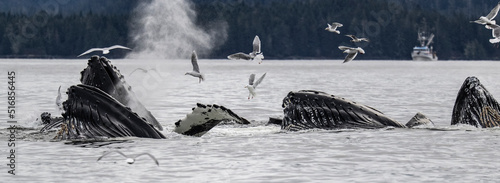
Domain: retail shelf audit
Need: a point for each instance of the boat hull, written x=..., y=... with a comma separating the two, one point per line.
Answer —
x=423, y=57
x=423, y=54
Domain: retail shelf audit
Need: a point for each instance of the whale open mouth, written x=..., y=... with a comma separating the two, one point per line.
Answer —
x=309, y=109
x=475, y=106
x=101, y=74
x=92, y=113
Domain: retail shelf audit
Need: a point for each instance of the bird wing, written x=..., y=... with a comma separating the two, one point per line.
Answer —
x=118, y=46
x=351, y=36
x=239, y=55
x=360, y=50
x=495, y=32
x=350, y=57
x=194, y=61
x=344, y=47
x=493, y=13
x=492, y=26
x=151, y=156
x=58, y=99
x=109, y=152
x=91, y=50
x=256, y=45
x=259, y=80
x=250, y=80
x=336, y=24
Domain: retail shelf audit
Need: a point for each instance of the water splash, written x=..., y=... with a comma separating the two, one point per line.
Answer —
x=167, y=29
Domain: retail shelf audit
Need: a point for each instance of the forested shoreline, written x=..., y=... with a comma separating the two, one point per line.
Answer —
x=287, y=29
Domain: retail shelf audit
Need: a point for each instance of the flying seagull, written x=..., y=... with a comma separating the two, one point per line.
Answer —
x=196, y=69
x=333, y=27
x=495, y=32
x=489, y=18
x=104, y=50
x=58, y=100
x=252, y=85
x=356, y=39
x=255, y=54
x=130, y=160
x=351, y=52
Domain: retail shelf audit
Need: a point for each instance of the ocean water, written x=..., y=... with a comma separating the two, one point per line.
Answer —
x=261, y=153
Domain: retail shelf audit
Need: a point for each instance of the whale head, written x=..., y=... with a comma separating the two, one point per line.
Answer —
x=100, y=73
x=307, y=109
x=475, y=106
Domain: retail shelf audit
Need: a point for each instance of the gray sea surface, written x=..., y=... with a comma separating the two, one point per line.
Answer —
x=260, y=152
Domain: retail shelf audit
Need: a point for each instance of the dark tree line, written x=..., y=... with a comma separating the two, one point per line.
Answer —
x=295, y=29
x=287, y=29
x=43, y=35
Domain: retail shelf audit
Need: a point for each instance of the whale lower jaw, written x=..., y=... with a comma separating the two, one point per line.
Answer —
x=307, y=109
x=205, y=117
x=92, y=113
x=475, y=106
x=101, y=74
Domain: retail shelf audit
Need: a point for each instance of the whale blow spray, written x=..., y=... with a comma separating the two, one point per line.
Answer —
x=167, y=29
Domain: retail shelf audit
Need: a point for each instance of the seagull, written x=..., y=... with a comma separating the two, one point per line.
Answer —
x=251, y=85
x=489, y=18
x=356, y=39
x=259, y=57
x=333, y=27
x=58, y=100
x=129, y=160
x=104, y=50
x=196, y=69
x=351, y=52
x=495, y=32
x=255, y=54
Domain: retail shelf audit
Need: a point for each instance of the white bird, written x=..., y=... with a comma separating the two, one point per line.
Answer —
x=255, y=54
x=104, y=50
x=58, y=100
x=253, y=85
x=196, y=70
x=129, y=160
x=489, y=18
x=333, y=27
x=356, y=39
x=351, y=52
x=259, y=57
x=495, y=32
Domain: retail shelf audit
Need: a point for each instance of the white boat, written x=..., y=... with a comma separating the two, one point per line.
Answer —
x=424, y=52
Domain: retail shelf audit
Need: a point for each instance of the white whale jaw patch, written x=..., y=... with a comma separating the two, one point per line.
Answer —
x=205, y=117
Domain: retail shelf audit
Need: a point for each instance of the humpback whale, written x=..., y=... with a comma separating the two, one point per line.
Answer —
x=308, y=109
x=475, y=106
x=101, y=74
x=105, y=106
x=92, y=113
x=205, y=117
